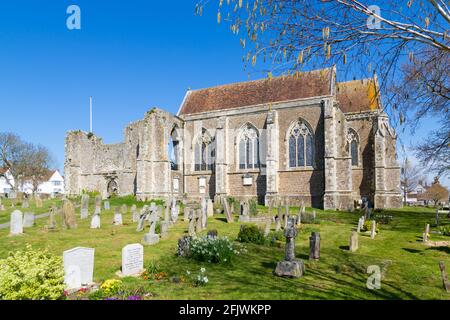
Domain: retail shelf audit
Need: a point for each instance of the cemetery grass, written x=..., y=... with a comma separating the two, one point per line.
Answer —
x=46, y=205
x=410, y=269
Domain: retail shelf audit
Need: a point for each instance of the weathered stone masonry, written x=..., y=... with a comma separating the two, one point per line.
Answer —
x=245, y=131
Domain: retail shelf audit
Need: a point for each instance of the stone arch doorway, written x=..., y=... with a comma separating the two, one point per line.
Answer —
x=113, y=188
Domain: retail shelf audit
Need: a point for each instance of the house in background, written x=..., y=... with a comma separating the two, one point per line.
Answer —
x=5, y=187
x=53, y=184
x=415, y=196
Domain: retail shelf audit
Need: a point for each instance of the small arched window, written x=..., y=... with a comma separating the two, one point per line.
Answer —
x=204, y=152
x=352, y=139
x=174, y=150
x=248, y=148
x=301, y=145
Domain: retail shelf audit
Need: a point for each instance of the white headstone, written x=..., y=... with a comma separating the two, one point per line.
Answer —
x=117, y=219
x=132, y=259
x=83, y=258
x=95, y=222
x=106, y=205
x=16, y=223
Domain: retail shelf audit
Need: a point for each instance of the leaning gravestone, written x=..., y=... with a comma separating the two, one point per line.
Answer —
x=78, y=267
x=117, y=221
x=228, y=213
x=84, y=211
x=314, y=246
x=95, y=222
x=353, y=242
x=151, y=237
x=16, y=223
x=290, y=267
x=68, y=211
x=132, y=260
x=28, y=220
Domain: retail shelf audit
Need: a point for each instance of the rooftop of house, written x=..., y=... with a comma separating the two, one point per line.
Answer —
x=353, y=96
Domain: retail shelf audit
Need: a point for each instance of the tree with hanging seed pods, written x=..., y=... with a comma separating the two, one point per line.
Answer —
x=406, y=43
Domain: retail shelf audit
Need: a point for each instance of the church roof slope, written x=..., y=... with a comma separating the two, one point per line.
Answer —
x=358, y=95
x=278, y=89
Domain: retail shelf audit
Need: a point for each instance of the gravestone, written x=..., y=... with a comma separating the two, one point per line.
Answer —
x=314, y=216
x=95, y=222
x=16, y=223
x=164, y=229
x=98, y=203
x=51, y=219
x=244, y=214
x=198, y=220
x=227, y=210
x=145, y=216
x=25, y=204
x=84, y=211
x=117, y=221
x=360, y=225
x=277, y=223
x=210, y=208
x=204, y=214
x=314, y=246
x=167, y=213
x=183, y=249
x=78, y=267
x=212, y=234
x=267, y=228
x=132, y=260
x=68, y=212
x=106, y=205
x=290, y=267
x=175, y=213
x=186, y=212
x=124, y=209
x=135, y=213
x=151, y=237
x=444, y=276
x=373, y=230
x=353, y=242
x=191, y=230
x=38, y=202
x=28, y=220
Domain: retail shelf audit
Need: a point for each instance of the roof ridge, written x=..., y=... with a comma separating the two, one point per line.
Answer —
x=258, y=80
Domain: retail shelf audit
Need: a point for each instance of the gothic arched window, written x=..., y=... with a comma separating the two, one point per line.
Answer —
x=352, y=139
x=248, y=148
x=204, y=152
x=301, y=145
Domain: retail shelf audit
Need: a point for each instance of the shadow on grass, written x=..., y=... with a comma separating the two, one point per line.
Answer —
x=441, y=249
x=412, y=250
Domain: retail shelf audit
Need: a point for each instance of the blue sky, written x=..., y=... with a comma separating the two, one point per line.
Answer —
x=129, y=55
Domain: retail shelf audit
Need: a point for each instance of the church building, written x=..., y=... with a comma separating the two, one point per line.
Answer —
x=302, y=138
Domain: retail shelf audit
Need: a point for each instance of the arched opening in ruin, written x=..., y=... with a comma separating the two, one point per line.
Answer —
x=174, y=149
x=113, y=188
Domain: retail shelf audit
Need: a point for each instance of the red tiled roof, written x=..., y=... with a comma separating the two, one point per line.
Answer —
x=358, y=95
x=265, y=91
x=353, y=96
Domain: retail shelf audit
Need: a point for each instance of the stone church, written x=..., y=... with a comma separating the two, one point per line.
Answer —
x=290, y=138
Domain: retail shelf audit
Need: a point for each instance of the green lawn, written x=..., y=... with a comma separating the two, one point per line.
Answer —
x=410, y=269
x=6, y=214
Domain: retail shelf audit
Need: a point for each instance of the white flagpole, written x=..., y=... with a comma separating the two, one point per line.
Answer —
x=90, y=113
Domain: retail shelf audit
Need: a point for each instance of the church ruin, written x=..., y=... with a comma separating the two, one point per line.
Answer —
x=297, y=138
